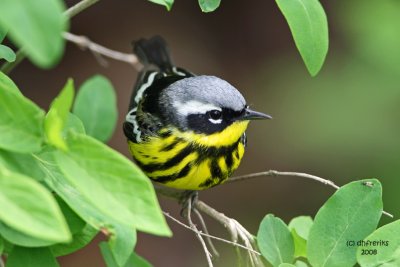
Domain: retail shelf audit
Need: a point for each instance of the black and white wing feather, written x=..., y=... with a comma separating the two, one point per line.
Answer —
x=144, y=117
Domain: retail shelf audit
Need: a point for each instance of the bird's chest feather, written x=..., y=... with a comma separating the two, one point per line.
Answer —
x=191, y=161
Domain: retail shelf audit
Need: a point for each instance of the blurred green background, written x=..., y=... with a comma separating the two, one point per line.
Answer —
x=342, y=125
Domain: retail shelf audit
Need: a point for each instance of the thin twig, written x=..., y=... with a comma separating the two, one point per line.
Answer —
x=388, y=214
x=79, y=7
x=70, y=12
x=7, y=67
x=99, y=50
x=198, y=235
x=235, y=228
x=295, y=174
x=208, y=235
x=204, y=227
x=278, y=173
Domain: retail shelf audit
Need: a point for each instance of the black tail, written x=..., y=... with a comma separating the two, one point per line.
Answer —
x=154, y=51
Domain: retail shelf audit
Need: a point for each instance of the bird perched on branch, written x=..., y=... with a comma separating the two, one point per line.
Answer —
x=184, y=131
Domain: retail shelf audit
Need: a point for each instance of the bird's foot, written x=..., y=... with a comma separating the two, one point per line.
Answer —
x=188, y=200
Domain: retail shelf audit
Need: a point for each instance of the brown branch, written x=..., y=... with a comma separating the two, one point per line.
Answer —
x=278, y=173
x=294, y=174
x=79, y=7
x=235, y=229
x=207, y=235
x=99, y=50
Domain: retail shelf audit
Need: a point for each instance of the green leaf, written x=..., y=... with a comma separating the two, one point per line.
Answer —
x=1, y=245
x=21, y=163
x=350, y=214
x=31, y=209
x=381, y=248
x=300, y=245
x=57, y=116
x=32, y=257
x=37, y=27
x=112, y=183
x=300, y=264
x=137, y=261
x=21, y=128
x=56, y=180
x=309, y=26
x=75, y=223
x=209, y=5
x=122, y=244
x=286, y=265
x=166, y=3
x=275, y=241
x=107, y=255
x=89, y=212
x=7, y=247
x=73, y=124
x=96, y=106
x=300, y=228
x=7, y=84
x=133, y=261
x=17, y=238
x=3, y=33
x=302, y=225
x=7, y=53
x=79, y=240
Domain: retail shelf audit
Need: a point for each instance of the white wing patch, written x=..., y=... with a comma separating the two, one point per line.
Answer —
x=176, y=71
x=131, y=116
x=144, y=86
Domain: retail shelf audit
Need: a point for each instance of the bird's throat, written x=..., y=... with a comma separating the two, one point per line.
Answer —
x=226, y=137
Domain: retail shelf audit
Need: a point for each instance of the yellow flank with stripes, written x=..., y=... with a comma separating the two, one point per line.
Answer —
x=197, y=175
x=157, y=150
x=222, y=165
x=176, y=168
x=240, y=156
x=153, y=147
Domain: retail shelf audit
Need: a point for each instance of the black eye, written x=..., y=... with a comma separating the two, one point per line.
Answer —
x=215, y=114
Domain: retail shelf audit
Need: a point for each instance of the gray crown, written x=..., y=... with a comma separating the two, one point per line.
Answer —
x=205, y=89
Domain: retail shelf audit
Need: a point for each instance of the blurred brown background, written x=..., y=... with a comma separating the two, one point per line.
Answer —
x=342, y=125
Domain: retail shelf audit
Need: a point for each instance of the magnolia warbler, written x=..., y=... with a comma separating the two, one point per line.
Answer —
x=184, y=131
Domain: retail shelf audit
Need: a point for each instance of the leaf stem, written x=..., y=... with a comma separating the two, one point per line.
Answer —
x=99, y=50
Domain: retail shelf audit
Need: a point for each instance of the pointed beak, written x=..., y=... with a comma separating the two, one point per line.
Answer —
x=253, y=115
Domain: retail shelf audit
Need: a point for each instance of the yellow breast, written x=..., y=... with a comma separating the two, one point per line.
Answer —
x=191, y=161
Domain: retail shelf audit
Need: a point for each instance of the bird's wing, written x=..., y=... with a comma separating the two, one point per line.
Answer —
x=144, y=116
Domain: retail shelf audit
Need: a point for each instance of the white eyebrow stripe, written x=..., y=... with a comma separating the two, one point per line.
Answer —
x=194, y=107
